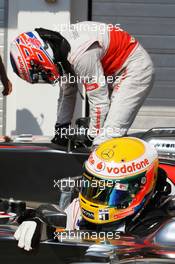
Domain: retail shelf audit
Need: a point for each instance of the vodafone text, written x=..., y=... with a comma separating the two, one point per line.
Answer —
x=133, y=167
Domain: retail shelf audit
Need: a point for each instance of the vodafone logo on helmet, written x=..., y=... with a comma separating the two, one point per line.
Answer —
x=130, y=168
x=118, y=169
x=111, y=169
x=97, y=165
x=100, y=166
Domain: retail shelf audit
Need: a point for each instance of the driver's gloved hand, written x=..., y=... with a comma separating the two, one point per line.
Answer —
x=84, y=141
x=61, y=132
x=88, y=141
x=28, y=234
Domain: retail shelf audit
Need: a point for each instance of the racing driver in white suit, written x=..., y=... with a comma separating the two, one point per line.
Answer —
x=115, y=69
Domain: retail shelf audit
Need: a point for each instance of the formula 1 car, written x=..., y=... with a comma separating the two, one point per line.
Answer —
x=83, y=247
x=31, y=163
x=29, y=167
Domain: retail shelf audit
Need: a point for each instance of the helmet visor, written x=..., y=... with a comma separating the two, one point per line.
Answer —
x=111, y=193
x=40, y=75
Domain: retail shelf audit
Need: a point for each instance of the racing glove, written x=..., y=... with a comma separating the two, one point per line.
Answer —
x=82, y=139
x=28, y=234
x=39, y=225
x=61, y=132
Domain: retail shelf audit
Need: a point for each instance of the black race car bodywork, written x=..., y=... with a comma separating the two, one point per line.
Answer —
x=85, y=247
x=31, y=171
x=29, y=167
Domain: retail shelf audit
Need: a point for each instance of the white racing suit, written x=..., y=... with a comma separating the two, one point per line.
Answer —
x=117, y=74
x=74, y=217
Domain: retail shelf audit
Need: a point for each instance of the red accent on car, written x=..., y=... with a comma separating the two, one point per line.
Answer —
x=170, y=170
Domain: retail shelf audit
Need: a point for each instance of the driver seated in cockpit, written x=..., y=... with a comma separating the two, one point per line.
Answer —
x=122, y=190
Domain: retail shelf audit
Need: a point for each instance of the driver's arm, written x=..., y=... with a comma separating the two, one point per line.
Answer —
x=73, y=215
x=4, y=79
x=90, y=70
x=66, y=100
